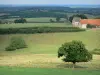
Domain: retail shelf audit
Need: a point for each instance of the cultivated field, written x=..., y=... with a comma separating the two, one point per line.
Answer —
x=34, y=25
x=40, y=19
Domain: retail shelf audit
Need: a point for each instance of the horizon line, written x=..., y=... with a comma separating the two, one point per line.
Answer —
x=49, y=4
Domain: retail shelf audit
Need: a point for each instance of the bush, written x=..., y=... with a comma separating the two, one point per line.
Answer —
x=16, y=43
x=91, y=26
x=10, y=48
x=51, y=20
x=96, y=51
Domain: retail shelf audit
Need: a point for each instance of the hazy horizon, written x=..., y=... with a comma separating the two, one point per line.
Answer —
x=50, y=2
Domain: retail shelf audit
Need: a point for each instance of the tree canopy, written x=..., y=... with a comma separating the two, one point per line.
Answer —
x=58, y=19
x=82, y=16
x=21, y=20
x=74, y=51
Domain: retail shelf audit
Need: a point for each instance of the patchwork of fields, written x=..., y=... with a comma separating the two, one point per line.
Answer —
x=40, y=19
x=44, y=30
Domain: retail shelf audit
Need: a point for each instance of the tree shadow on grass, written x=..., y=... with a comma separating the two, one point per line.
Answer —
x=71, y=66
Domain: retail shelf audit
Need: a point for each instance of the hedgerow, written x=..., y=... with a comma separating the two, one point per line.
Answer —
x=32, y=30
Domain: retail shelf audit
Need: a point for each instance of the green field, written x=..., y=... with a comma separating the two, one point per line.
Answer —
x=40, y=58
x=34, y=25
x=40, y=19
x=49, y=42
x=43, y=19
x=41, y=71
x=42, y=48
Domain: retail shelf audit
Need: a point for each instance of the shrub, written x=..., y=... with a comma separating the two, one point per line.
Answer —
x=91, y=26
x=51, y=20
x=16, y=43
x=96, y=51
x=10, y=48
x=58, y=19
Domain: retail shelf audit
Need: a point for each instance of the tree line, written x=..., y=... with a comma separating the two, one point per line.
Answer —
x=32, y=30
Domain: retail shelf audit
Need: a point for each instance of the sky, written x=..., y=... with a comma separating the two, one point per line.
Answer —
x=57, y=2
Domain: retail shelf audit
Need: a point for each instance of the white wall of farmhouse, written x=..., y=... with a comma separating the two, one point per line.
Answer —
x=78, y=24
x=84, y=26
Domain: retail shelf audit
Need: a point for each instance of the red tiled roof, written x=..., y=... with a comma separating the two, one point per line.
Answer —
x=90, y=21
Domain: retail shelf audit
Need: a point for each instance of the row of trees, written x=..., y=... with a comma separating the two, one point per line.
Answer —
x=57, y=19
x=82, y=16
x=21, y=20
x=32, y=30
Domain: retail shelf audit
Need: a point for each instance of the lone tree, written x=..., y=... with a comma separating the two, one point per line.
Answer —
x=51, y=20
x=74, y=51
x=58, y=19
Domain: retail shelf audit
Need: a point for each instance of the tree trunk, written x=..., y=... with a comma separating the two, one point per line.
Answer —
x=74, y=64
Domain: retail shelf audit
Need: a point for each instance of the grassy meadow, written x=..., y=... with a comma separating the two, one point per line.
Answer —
x=41, y=71
x=45, y=19
x=49, y=42
x=40, y=19
x=41, y=55
x=35, y=25
x=42, y=49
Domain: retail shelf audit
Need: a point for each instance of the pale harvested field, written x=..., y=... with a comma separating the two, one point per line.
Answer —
x=45, y=61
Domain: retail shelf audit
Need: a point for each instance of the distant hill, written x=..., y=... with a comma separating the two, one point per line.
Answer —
x=83, y=6
x=71, y=6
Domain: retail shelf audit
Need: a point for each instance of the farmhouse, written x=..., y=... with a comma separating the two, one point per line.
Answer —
x=84, y=22
x=76, y=21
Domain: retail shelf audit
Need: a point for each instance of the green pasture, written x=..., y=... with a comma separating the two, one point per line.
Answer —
x=25, y=25
x=42, y=50
x=48, y=43
x=43, y=19
x=45, y=71
x=40, y=19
